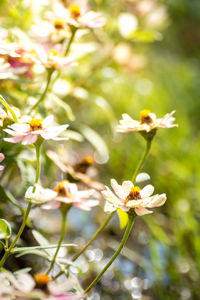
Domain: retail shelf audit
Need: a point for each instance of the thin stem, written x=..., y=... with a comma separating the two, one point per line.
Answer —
x=66, y=51
x=7, y=106
x=123, y=241
x=42, y=97
x=99, y=230
x=4, y=258
x=142, y=160
x=8, y=252
x=62, y=234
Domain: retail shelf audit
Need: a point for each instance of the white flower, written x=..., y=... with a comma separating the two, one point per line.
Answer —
x=28, y=130
x=147, y=123
x=64, y=192
x=127, y=196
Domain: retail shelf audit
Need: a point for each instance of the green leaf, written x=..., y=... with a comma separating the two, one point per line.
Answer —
x=145, y=36
x=123, y=218
x=5, y=229
x=42, y=241
x=24, y=270
x=22, y=249
x=64, y=105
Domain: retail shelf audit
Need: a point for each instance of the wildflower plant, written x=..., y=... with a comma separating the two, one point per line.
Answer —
x=29, y=124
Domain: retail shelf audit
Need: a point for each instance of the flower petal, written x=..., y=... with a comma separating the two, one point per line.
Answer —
x=117, y=189
x=147, y=191
x=142, y=211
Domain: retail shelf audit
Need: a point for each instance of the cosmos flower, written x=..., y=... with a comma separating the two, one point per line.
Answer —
x=147, y=122
x=78, y=171
x=24, y=286
x=1, y=159
x=64, y=192
x=28, y=130
x=127, y=196
x=52, y=58
x=77, y=16
x=19, y=59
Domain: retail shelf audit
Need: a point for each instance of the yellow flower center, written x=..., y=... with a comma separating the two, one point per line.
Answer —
x=134, y=194
x=42, y=279
x=62, y=189
x=53, y=52
x=36, y=124
x=59, y=24
x=74, y=11
x=145, y=117
x=84, y=164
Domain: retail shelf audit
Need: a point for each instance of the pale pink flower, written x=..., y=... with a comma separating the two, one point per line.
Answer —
x=78, y=16
x=52, y=58
x=1, y=159
x=127, y=196
x=24, y=286
x=147, y=123
x=64, y=192
x=79, y=171
x=20, y=60
x=28, y=130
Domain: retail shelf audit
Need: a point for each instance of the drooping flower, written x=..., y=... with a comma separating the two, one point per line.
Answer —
x=148, y=121
x=1, y=159
x=127, y=196
x=78, y=171
x=64, y=192
x=28, y=130
x=6, y=118
x=77, y=16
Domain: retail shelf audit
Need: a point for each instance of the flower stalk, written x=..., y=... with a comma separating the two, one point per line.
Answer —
x=142, y=160
x=99, y=230
x=26, y=215
x=127, y=232
x=64, y=210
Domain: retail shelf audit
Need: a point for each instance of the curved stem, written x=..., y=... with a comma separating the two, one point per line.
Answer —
x=7, y=253
x=142, y=160
x=123, y=241
x=73, y=31
x=21, y=229
x=62, y=234
x=7, y=106
x=99, y=230
x=50, y=73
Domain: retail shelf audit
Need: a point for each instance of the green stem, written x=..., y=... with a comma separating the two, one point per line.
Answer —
x=66, y=51
x=42, y=97
x=99, y=230
x=123, y=241
x=4, y=258
x=142, y=160
x=7, y=106
x=8, y=252
x=62, y=234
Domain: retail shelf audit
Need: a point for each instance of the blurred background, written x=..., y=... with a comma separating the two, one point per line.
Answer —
x=145, y=57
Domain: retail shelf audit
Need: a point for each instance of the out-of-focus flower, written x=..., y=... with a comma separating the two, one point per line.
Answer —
x=127, y=196
x=28, y=131
x=78, y=171
x=77, y=16
x=23, y=286
x=51, y=58
x=64, y=192
x=147, y=123
x=1, y=159
x=20, y=60
x=6, y=117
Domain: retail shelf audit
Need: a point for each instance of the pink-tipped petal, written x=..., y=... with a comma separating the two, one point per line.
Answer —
x=15, y=139
x=2, y=156
x=29, y=139
x=142, y=211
